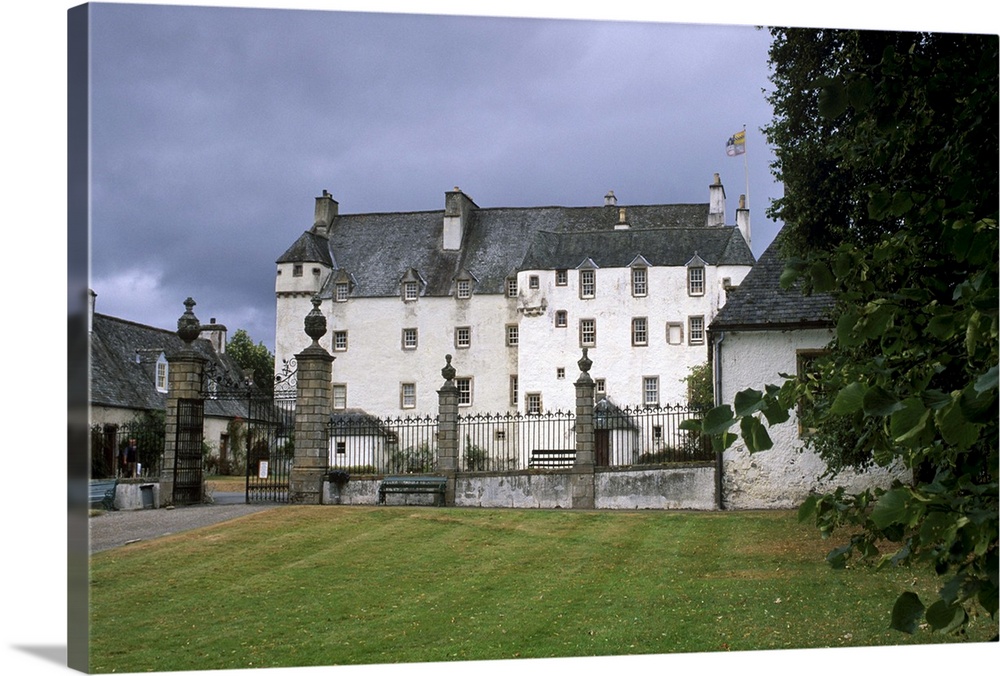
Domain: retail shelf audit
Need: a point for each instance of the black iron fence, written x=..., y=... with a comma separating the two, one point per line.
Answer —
x=509, y=441
x=647, y=435
x=365, y=444
x=129, y=449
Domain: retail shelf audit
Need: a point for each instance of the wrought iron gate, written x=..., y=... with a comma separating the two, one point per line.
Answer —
x=188, y=458
x=265, y=439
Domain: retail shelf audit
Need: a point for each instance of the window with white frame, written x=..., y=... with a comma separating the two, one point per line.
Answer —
x=339, y=396
x=341, y=448
x=340, y=341
x=512, y=287
x=640, y=334
x=588, y=332
x=409, y=339
x=561, y=373
x=463, y=288
x=464, y=391
x=562, y=278
x=463, y=337
x=533, y=282
x=600, y=386
x=587, y=283
x=297, y=270
x=408, y=395
x=411, y=291
x=513, y=390
x=640, y=284
x=512, y=335
x=161, y=374
x=533, y=403
x=341, y=292
x=651, y=390
x=561, y=319
x=696, y=330
x=696, y=281
x=675, y=333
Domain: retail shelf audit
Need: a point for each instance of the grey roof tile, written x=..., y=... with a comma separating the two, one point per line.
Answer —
x=759, y=302
x=378, y=249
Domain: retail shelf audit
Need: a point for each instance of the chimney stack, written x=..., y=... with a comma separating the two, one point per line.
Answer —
x=457, y=213
x=743, y=219
x=215, y=334
x=610, y=200
x=716, y=203
x=91, y=305
x=326, y=211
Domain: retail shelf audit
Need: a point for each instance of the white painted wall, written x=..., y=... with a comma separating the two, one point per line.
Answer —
x=783, y=476
x=375, y=365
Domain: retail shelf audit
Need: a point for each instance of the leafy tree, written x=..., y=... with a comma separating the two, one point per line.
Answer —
x=252, y=358
x=887, y=146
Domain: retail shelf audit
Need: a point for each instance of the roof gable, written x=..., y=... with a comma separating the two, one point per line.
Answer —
x=760, y=303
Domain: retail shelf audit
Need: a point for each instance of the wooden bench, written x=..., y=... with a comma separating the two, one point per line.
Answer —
x=413, y=484
x=552, y=459
x=102, y=492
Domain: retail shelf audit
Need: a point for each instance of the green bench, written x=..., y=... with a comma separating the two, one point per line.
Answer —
x=102, y=492
x=435, y=485
x=552, y=459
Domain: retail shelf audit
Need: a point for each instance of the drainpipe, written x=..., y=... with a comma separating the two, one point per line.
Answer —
x=717, y=373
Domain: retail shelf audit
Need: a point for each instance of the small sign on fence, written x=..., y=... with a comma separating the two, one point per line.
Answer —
x=262, y=469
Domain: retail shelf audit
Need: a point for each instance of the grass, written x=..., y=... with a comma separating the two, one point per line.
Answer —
x=301, y=586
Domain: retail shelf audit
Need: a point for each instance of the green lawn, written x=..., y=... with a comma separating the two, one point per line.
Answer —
x=300, y=586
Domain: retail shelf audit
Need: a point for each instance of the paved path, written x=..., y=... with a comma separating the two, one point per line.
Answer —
x=116, y=529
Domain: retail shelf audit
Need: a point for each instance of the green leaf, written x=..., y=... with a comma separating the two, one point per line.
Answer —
x=761, y=439
x=879, y=402
x=906, y=613
x=845, y=329
x=838, y=557
x=832, y=98
x=692, y=425
x=944, y=617
x=908, y=423
x=978, y=407
x=747, y=402
x=892, y=508
x=807, y=508
x=849, y=399
x=775, y=413
x=954, y=427
x=942, y=326
x=987, y=381
x=719, y=419
x=822, y=278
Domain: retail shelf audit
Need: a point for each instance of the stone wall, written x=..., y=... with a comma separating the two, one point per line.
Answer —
x=687, y=487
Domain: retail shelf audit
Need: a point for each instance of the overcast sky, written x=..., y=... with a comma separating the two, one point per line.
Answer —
x=213, y=129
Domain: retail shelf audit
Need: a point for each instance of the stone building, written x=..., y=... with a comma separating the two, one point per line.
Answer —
x=763, y=331
x=129, y=376
x=513, y=294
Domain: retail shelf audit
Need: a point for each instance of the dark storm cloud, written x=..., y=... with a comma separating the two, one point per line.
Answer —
x=214, y=128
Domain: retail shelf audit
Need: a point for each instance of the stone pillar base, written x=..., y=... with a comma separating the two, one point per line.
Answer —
x=582, y=484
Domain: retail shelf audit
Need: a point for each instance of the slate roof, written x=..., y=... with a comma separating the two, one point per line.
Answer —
x=759, y=303
x=123, y=358
x=378, y=249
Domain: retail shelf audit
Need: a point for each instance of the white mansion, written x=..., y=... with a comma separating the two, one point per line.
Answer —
x=513, y=294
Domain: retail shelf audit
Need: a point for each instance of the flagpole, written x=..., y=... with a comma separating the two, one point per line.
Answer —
x=746, y=170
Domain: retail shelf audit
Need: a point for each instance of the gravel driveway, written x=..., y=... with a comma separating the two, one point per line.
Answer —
x=115, y=529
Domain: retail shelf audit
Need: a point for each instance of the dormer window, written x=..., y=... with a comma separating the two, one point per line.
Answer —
x=512, y=287
x=587, y=283
x=410, y=286
x=161, y=374
x=696, y=276
x=463, y=288
x=341, y=291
